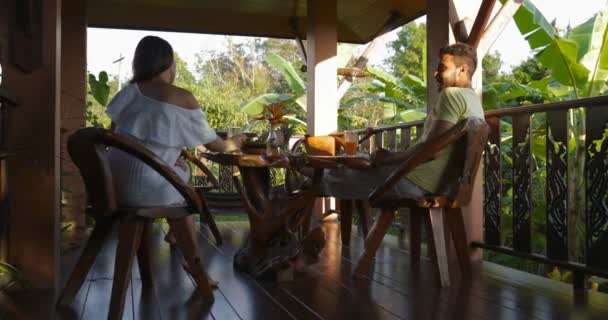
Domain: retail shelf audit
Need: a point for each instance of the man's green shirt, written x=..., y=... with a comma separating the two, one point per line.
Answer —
x=454, y=104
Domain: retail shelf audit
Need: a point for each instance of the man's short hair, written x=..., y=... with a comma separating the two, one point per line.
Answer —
x=463, y=53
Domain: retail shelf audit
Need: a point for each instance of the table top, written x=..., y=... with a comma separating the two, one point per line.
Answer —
x=360, y=161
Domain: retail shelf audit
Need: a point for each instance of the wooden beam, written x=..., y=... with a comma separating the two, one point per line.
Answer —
x=498, y=24
x=322, y=108
x=73, y=101
x=136, y=16
x=34, y=172
x=369, y=51
x=437, y=37
x=485, y=11
x=458, y=25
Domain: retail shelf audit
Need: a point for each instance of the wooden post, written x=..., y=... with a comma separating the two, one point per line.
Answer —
x=322, y=36
x=473, y=213
x=322, y=87
x=73, y=101
x=34, y=134
x=438, y=36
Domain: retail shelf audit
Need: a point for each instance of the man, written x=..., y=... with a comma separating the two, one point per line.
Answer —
x=457, y=101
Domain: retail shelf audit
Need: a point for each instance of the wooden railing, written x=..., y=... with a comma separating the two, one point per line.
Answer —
x=557, y=132
x=510, y=143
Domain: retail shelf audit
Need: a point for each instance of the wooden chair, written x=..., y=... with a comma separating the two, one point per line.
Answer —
x=205, y=213
x=88, y=149
x=329, y=146
x=432, y=208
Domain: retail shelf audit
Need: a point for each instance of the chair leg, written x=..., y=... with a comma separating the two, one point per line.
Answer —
x=206, y=216
x=365, y=215
x=186, y=242
x=144, y=259
x=416, y=215
x=437, y=245
x=373, y=240
x=103, y=226
x=459, y=236
x=129, y=238
x=212, y=225
x=346, y=220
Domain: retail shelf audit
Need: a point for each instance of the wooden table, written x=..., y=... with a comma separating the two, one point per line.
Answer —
x=279, y=219
x=278, y=229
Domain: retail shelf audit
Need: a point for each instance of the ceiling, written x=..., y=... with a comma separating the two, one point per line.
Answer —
x=359, y=21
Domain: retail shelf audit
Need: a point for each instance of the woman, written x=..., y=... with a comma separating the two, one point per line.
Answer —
x=163, y=118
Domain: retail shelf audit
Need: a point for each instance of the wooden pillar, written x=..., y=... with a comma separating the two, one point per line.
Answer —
x=438, y=36
x=322, y=84
x=33, y=180
x=322, y=40
x=73, y=101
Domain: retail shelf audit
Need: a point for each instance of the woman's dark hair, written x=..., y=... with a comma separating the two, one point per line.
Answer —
x=153, y=55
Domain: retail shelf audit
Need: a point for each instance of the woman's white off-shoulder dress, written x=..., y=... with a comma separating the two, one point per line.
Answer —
x=163, y=128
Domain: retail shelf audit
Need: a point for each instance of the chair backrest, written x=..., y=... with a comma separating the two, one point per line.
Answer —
x=476, y=139
x=474, y=131
x=88, y=150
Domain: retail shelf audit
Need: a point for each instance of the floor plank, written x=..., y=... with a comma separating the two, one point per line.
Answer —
x=322, y=290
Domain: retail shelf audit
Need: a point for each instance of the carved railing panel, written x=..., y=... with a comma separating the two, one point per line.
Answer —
x=522, y=172
x=406, y=138
x=492, y=184
x=391, y=140
x=557, y=185
x=596, y=174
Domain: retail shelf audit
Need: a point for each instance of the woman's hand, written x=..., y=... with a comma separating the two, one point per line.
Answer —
x=182, y=165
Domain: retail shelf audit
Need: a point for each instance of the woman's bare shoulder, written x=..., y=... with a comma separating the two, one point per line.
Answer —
x=181, y=97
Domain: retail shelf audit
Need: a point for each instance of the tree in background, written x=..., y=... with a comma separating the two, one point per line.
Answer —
x=408, y=52
x=491, y=65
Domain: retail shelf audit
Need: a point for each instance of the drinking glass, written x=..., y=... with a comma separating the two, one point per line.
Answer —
x=351, y=140
x=234, y=131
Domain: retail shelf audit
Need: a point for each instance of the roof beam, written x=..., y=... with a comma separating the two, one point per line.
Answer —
x=132, y=16
x=498, y=24
x=485, y=11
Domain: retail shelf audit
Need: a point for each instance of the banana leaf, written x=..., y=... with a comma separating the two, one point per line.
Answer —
x=556, y=53
x=289, y=73
x=413, y=115
x=256, y=106
x=592, y=39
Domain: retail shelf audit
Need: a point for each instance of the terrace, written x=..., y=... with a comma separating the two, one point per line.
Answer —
x=43, y=50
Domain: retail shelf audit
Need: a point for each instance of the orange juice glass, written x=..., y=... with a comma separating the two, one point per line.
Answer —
x=351, y=140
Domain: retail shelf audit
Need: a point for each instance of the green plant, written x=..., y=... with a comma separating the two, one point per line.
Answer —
x=399, y=100
x=294, y=102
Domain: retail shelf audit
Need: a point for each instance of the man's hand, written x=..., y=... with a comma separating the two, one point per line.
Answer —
x=381, y=156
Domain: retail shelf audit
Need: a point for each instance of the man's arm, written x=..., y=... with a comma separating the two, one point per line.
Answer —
x=383, y=156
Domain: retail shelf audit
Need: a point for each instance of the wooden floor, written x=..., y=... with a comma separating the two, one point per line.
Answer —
x=324, y=290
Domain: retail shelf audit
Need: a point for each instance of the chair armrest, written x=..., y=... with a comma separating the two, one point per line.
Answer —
x=197, y=162
x=298, y=144
x=427, y=150
x=156, y=163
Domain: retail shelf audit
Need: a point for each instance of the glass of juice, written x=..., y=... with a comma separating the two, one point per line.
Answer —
x=351, y=140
